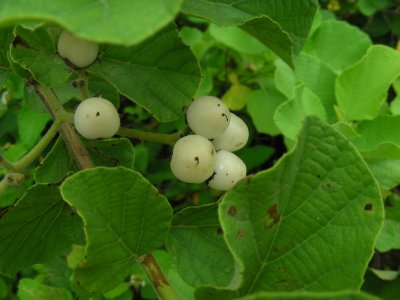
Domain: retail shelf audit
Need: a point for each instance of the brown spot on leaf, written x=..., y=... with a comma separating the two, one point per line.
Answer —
x=240, y=234
x=219, y=231
x=274, y=215
x=232, y=211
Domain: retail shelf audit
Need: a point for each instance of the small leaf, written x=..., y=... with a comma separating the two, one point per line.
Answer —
x=285, y=81
x=38, y=228
x=108, y=152
x=261, y=108
x=289, y=116
x=320, y=79
x=362, y=89
x=161, y=74
x=236, y=96
x=39, y=57
x=29, y=289
x=389, y=237
x=133, y=21
x=28, y=131
x=196, y=245
x=131, y=215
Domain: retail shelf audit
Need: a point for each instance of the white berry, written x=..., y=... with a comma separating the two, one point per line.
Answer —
x=193, y=159
x=208, y=116
x=229, y=169
x=234, y=137
x=79, y=52
x=96, y=118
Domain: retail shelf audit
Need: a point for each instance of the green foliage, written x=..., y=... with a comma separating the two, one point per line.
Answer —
x=316, y=82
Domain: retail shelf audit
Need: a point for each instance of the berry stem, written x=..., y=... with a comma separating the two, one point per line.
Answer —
x=160, y=283
x=32, y=155
x=163, y=138
x=72, y=140
x=83, y=84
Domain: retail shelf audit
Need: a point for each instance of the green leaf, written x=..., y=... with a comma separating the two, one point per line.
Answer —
x=237, y=39
x=30, y=131
x=132, y=21
x=320, y=79
x=237, y=96
x=310, y=222
x=261, y=108
x=362, y=89
x=131, y=215
x=333, y=43
x=29, y=289
x=387, y=172
x=108, y=152
x=38, y=228
x=282, y=26
x=160, y=74
x=196, y=245
x=340, y=295
x=378, y=132
x=289, y=116
x=39, y=57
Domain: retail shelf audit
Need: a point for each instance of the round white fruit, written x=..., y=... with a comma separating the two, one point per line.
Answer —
x=81, y=53
x=234, y=137
x=208, y=116
x=193, y=159
x=229, y=169
x=96, y=118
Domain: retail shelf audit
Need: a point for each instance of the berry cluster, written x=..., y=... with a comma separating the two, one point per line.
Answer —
x=207, y=154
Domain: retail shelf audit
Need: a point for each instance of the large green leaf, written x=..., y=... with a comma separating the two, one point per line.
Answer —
x=310, y=222
x=282, y=25
x=160, y=74
x=333, y=42
x=124, y=217
x=38, y=228
x=362, y=89
x=120, y=22
x=341, y=295
x=196, y=244
x=37, y=54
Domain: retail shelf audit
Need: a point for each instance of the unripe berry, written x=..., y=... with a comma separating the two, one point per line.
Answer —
x=96, y=118
x=234, y=137
x=208, y=116
x=193, y=159
x=229, y=169
x=79, y=52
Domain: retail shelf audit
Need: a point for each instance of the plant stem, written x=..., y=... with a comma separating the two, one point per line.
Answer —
x=83, y=84
x=32, y=155
x=163, y=138
x=39, y=147
x=160, y=283
x=73, y=142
